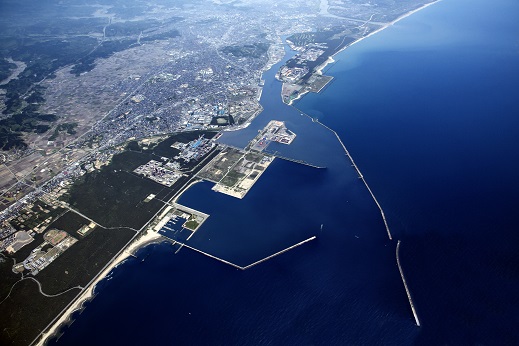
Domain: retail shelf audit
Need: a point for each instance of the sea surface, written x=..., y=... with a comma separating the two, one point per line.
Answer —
x=429, y=110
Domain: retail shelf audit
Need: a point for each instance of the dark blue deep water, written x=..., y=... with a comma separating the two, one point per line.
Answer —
x=429, y=110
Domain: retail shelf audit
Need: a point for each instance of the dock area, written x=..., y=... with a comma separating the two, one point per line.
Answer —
x=234, y=171
x=275, y=131
x=178, y=222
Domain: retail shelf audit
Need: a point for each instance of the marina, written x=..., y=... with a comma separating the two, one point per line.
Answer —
x=178, y=222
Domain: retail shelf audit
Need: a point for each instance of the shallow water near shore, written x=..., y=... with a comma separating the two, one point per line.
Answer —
x=427, y=110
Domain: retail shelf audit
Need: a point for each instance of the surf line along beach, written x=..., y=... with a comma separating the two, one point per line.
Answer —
x=331, y=59
x=133, y=245
x=149, y=238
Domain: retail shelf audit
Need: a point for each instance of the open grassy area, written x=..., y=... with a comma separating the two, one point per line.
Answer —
x=192, y=225
x=254, y=157
x=218, y=168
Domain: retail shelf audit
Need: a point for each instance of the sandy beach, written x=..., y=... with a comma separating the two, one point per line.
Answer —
x=146, y=237
x=149, y=238
x=331, y=60
x=390, y=24
x=184, y=189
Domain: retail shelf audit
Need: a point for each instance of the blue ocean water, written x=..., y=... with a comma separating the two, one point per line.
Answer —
x=428, y=109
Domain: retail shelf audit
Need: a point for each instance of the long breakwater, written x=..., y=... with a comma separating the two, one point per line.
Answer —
x=358, y=172
x=252, y=264
x=415, y=314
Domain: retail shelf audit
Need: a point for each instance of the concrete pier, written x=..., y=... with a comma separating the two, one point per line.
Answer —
x=179, y=248
x=405, y=285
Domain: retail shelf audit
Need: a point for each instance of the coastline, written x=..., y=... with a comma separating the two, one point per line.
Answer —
x=405, y=15
x=330, y=59
x=141, y=240
x=146, y=236
x=184, y=189
x=88, y=293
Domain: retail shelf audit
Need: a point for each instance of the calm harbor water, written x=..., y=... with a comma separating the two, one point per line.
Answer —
x=428, y=110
